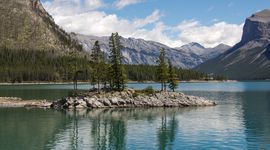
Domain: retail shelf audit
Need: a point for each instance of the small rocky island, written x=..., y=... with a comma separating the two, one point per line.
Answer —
x=129, y=98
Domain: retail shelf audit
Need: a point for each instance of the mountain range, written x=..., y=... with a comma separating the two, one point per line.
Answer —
x=25, y=25
x=248, y=59
x=139, y=51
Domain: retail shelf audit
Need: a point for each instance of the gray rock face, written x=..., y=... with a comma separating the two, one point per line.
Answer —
x=204, y=53
x=139, y=51
x=116, y=100
x=25, y=24
x=249, y=59
x=257, y=26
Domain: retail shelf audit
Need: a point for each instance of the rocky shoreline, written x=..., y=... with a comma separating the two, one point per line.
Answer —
x=18, y=102
x=130, y=99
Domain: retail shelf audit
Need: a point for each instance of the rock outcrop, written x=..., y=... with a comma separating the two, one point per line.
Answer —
x=257, y=26
x=18, y=102
x=25, y=24
x=204, y=53
x=249, y=59
x=130, y=99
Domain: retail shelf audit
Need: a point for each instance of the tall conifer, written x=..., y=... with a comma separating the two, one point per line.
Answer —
x=173, y=82
x=162, y=69
x=118, y=76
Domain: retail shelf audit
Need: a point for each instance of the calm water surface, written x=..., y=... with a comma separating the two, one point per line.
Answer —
x=240, y=121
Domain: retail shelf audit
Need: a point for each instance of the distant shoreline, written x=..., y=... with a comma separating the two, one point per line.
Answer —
x=133, y=82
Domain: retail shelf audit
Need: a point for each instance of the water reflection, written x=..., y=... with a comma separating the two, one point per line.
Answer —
x=118, y=128
x=107, y=128
x=257, y=121
x=28, y=129
x=167, y=131
x=240, y=121
x=108, y=133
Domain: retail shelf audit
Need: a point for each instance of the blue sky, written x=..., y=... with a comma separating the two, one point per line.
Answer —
x=205, y=11
x=172, y=22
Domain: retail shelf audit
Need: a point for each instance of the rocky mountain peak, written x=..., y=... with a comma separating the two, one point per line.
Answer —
x=194, y=44
x=262, y=16
x=248, y=59
x=257, y=27
x=222, y=46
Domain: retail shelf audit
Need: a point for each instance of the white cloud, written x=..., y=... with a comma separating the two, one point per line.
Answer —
x=75, y=16
x=71, y=7
x=154, y=17
x=209, y=36
x=94, y=4
x=120, y=4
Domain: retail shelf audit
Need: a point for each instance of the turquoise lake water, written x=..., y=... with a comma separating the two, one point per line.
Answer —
x=241, y=120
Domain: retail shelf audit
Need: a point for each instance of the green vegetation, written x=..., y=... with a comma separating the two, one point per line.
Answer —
x=173, y=81
x=147, y=91
x=142, y=73
x=118, y=76
x=99, y=66
x=50, y=66
x=35, y=65
x=162, y=71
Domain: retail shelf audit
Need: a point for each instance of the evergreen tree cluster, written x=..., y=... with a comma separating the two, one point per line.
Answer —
x=99, y=66
x=166, y=74
x=142, y=73
x=36, y=65
x=117, y=71
x=162, y=70
x=111, y=71
x=50, y=66
x=172, y=78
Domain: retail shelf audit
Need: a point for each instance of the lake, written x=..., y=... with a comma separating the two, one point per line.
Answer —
x=241, y=120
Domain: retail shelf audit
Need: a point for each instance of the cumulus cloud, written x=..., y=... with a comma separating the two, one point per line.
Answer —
x=154, y=17
x=120, y=4
x=94, y=4
x=76, y=16
x=71, y=7
x=209, y=36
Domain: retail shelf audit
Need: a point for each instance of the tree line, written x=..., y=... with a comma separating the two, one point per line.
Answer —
x=116, y=74
x=110, y=72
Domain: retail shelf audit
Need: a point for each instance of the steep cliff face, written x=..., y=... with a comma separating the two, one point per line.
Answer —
x=26, y=25
x=249, y=59
x=257, y=27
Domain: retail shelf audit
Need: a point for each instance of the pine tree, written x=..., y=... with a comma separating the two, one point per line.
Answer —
x=97, y=65
x=118, y=76
x=173, y=82
x=105, y=70
x=162, y=70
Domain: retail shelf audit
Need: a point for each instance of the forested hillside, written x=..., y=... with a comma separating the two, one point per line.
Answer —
x=36, y=65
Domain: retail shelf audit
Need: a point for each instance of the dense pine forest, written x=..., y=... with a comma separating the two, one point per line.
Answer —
x=149, y=73
x=34, y=65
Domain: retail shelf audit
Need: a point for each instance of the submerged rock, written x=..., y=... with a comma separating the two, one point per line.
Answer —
x=129, y=99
